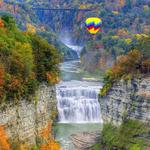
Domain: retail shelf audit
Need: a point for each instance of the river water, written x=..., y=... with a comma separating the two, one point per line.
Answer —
x=77, y=104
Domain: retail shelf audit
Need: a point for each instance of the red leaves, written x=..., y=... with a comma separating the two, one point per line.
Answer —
x=1, y=24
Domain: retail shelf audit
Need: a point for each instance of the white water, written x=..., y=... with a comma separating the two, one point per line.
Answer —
x=78, y=102
x=75, y=48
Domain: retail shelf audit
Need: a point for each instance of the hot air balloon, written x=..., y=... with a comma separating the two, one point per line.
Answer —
x=93, y=24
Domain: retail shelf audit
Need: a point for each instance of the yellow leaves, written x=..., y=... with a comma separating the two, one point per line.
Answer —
x=31, y=28
x=128, y=41
x=23, y=147
x=4, y=145
x=85, y=6
x=122, y=33
x=115, y=37
x=115, y=12
x=146, y=8
x=140, y=36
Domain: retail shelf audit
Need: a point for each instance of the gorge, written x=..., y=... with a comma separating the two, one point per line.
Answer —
x=77, y=104
x=62, y=88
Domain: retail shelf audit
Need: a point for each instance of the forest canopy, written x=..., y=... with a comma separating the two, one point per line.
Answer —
x=25, y=61
x=135, y=63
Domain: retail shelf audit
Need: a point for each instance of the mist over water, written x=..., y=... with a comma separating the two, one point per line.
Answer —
x=66, y=38
x=77, y=101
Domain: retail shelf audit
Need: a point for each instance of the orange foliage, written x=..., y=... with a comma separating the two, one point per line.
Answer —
x=31, y=28
x=52, y=77
x=45, y=133
x=50, y=142
x=145, y=66
x=1, y=24
x=122, y=33
x=2, y=80
x=4, y=145
x=121, y=2
x=126, y=64
x=51, y=145
x=2, y=72
x=15, y=84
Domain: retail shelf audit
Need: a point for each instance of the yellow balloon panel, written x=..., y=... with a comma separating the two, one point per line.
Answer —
x=93, y=24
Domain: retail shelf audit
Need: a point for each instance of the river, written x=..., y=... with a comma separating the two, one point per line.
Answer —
x=77, y=104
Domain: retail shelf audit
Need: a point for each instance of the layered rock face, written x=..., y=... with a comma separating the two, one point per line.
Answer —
x=131, y=100
x=25, y=119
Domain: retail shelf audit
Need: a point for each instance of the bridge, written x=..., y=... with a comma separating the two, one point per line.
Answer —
x=62, y=9
x=64, y=15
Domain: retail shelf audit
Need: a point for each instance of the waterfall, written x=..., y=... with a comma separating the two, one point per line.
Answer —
x=78, y=102
x=77, y=49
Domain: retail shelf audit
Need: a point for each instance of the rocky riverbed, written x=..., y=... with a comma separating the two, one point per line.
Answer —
x=85, y=140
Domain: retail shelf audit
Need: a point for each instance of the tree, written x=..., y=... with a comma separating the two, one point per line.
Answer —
x=1, y=23
x=46, y=58
x=31, y=28
x=8, y=22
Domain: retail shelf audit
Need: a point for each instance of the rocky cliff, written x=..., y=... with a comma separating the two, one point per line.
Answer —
x=25, y=119
x=127, y=99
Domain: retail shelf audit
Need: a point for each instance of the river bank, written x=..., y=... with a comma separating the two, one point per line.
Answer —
x=78, y=108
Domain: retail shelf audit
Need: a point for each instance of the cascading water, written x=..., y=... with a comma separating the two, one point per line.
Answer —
x=78, y=102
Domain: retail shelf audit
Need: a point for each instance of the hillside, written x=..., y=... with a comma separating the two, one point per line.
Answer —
x=124, y=21
x=25, y=61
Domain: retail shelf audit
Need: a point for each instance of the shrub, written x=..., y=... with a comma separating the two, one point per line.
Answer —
x=124, y=137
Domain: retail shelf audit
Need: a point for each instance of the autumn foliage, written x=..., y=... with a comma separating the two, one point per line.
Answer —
x=2, y=81
x=50, y=143
x=30, y=28
x=4, y=145
x=125, y=65
x=26, y=60
x=1, y=23
x=134, y=64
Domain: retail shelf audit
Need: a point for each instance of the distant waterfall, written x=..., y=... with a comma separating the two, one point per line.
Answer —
x=78, y=49
x=78, y=102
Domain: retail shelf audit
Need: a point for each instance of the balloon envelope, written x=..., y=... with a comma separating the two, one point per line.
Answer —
x=93, y=24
